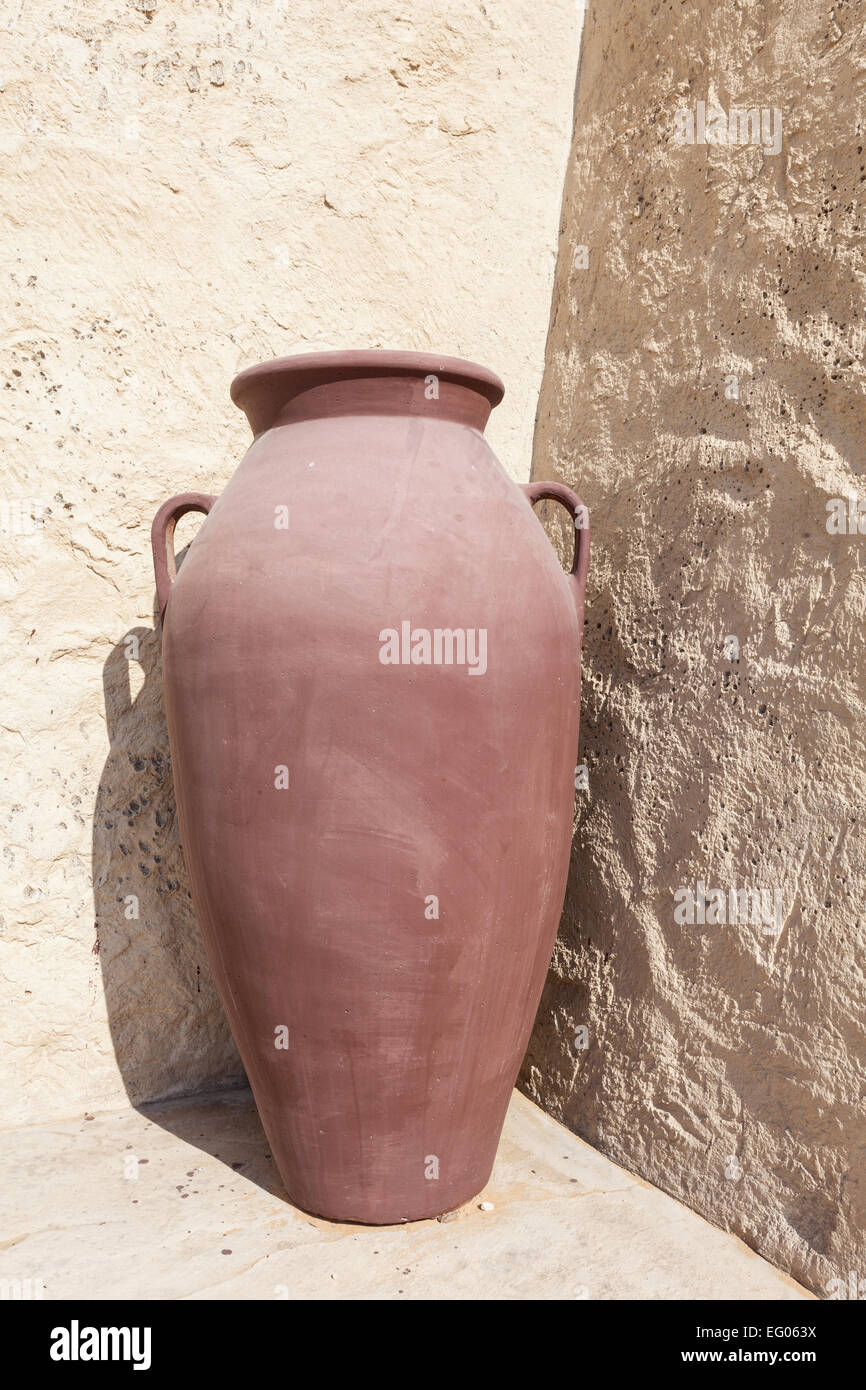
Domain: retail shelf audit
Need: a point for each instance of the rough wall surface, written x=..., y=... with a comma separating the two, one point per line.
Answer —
x=188, y=188
x=704, y=391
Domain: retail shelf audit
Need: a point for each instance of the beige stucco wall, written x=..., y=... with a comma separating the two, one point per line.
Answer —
x=187, y=188
x=722, y=1062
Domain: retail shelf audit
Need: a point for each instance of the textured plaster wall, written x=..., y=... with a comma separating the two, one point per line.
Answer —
x=187, y=188
x=722, y=1062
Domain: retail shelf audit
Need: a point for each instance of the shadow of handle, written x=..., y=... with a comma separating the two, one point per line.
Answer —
x=558, y=492
x=162, y=538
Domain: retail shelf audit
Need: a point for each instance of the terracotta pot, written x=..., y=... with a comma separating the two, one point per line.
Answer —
x=371, y=664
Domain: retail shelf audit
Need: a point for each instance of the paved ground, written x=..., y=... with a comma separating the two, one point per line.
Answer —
x=181, y=1201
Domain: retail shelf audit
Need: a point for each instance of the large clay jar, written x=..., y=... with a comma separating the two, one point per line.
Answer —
x=371, y=664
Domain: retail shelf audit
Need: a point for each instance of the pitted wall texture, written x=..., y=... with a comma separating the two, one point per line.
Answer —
x=704, y=392
x=189, y=188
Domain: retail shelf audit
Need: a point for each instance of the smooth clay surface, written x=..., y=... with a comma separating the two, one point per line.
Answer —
x=379, y=915
x=723, y=728
x=187, y=189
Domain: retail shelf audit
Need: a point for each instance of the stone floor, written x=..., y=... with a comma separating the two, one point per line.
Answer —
x=180, y=1201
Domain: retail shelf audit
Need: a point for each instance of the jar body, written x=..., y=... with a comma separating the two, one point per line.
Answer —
x=371, y=676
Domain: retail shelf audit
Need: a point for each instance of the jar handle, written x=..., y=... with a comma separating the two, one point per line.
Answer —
x=162, y=538
x=557, y=492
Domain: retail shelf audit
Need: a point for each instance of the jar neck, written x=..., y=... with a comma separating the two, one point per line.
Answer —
x=442, y=400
